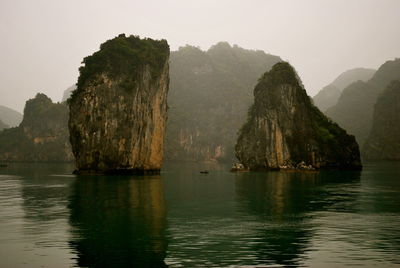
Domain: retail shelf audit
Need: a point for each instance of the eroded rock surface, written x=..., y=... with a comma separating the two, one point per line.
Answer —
x=285, y=130
x=118, y=111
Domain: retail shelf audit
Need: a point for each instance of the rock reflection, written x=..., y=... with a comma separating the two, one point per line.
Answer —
x=285, y=202
x=118, y=222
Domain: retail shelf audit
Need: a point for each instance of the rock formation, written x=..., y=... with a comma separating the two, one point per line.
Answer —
x=329, y=95
x=285, y=130
x=354, y=109
x=383, y=142
x=209, y=94
x=42, y=135
x=119, y=109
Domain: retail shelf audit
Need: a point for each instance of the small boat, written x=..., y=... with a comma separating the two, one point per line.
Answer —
x=204, y=171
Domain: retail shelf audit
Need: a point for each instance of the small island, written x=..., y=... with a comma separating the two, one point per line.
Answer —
x=118, y=111
x=284, y=130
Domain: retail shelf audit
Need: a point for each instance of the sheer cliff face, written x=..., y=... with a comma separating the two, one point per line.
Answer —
x=383, y=142
x=284, y=128
x=117, y=116
x=41, y=137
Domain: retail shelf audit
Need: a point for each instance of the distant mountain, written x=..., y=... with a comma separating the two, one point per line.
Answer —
x=210, y=92
x=42, y=136
x=355, y=106
x=9, y=116
x=3, y=126
x=68, y=92
x=329, y=95
x=383, y=142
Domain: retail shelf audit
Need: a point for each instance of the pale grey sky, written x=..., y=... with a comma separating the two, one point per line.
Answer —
x=44, y=41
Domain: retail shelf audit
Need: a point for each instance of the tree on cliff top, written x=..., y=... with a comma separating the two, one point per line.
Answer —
x=123, y=56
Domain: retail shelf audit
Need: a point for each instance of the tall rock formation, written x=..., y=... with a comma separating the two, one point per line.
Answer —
x=329, y=95
x=285, y=129
x=383, y=142
x=42, y=135
x=119, y=109
x=354, y=109
x=209, y=95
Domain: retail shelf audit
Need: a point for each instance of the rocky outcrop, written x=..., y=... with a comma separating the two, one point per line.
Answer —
x=329, y=95
x=285, y=130
x=383, y=142
x=354, y=109
x=209, y=94
x=42, y=135
x=119, y=109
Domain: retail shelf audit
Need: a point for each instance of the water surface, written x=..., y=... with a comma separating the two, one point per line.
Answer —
x=49, y=218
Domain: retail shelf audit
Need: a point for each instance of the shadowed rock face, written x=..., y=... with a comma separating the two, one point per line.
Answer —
x=284, y=128
x=383, y=142
x=118, y=112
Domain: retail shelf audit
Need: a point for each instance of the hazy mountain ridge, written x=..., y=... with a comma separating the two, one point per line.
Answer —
x=67, y=93
x=355, y=106
x=9, y=116
x=117, y=114
x=329, y=95
x=383, y=142
x=209, y=95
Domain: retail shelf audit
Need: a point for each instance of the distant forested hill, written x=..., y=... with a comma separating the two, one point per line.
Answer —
x=355, y=106
x=383, y=142
x=210, y=92
x=9, y=116
x=329, y=95
x=42, y=136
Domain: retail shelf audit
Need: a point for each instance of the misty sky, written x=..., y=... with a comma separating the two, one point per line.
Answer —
x=44, y=41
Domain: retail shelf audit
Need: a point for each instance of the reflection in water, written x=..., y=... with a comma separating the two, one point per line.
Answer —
x=118, y=222
x=49, y=218
x=284, y=202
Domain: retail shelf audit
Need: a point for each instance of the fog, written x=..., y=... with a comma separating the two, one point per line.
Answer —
x=43, y=42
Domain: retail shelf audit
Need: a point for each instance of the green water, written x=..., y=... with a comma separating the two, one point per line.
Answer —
x=182, y=218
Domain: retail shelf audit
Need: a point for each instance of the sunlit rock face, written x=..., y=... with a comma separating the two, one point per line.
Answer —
x=119, y=110
x=383, y=142
x=285, y=130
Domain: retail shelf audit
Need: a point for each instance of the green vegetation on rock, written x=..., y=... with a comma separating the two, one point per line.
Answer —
x=118, y=111
x=121, y=57
x=285, y=130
